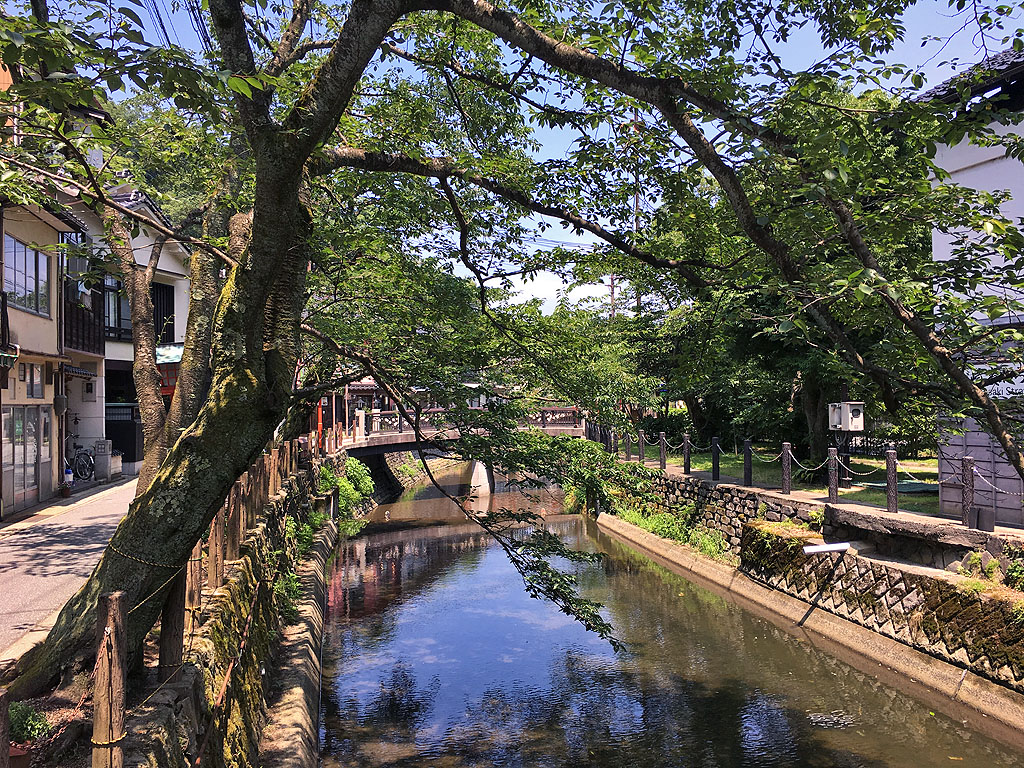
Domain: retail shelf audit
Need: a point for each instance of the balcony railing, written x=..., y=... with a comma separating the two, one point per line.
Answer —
x=83, y=324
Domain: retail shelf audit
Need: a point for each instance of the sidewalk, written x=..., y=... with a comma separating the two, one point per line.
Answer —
x=46, y=555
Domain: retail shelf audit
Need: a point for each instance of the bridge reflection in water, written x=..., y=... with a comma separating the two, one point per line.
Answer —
x=435, y=656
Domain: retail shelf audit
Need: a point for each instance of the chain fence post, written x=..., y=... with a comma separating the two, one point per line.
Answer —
x=662, y=450
x=968, y=514
x=109, y=683
x=615, y=443
x=641, y=445
x=787, y=468
x=748, y=463
x=686, y=453
x=715, y=462
x=892, y=502
x=833, y=475
x=629, y=447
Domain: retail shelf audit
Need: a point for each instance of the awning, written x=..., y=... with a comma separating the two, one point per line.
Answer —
x=75, y=371
x=9, y=356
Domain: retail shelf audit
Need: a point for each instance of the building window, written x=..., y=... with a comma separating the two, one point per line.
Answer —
x=34, y=381
x=163, y=312
x=117, y=316
x=26, y=276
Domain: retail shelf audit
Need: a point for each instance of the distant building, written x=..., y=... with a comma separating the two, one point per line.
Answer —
x=983, y=168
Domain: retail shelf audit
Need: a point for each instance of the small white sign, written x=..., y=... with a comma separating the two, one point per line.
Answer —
x=811, y=549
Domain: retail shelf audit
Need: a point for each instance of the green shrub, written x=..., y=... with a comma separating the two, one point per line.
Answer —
x=304, y=539
x=327, y=480
x=27, y=723
x=408, y=470
x=348, y=497
x=286, y=591
x=708, y=542
x=1015, y=574
x=357, y=474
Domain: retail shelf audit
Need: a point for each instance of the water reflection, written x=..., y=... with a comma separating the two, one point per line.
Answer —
x=436, y=657
x=424, y=504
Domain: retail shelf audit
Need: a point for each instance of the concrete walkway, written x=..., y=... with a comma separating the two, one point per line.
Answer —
x=48, y=554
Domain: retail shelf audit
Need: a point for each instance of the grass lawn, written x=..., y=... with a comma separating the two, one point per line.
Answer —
x=770, y=475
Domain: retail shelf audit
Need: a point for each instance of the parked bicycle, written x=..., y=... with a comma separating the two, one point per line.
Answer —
x=80, y=460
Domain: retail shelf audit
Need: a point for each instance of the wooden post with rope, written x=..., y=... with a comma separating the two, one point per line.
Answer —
x=172, y=628
x=215, y=563
x=109, y=691
x=233, y=538
x=194, y=587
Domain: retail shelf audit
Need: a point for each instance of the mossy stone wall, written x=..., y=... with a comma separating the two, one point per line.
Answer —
x=959, y=620
x=168, y=730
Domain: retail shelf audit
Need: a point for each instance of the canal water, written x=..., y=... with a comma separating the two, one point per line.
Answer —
x=435, y=656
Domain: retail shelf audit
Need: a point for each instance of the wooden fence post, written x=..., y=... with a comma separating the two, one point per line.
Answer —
x=109, y=683
x=892, y=503
x=787, y=468
x=629, y=447
x=748, y=464
x=172, y=628
x=686, y=453
x=716, y=466
x=194, y=587
x=833, y=475
x=5, y=729
x=662, y=450
x=968, y=514
x=215, y=562
x=641, y=444
x=233, y=540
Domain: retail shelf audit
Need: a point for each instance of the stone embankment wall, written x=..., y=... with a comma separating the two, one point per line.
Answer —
x=239, y=630
x=934, y=542
x=948, y=616
x=725, y=508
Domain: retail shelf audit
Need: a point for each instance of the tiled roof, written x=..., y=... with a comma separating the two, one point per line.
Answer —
x=1001, y=69
x=136, y=199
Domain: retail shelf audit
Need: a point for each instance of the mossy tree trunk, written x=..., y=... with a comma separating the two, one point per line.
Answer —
x=254, y=343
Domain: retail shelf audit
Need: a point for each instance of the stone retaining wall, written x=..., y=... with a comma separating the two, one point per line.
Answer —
x=168, y=728
x=964, y=621
x=934, y=542
x=725, y=508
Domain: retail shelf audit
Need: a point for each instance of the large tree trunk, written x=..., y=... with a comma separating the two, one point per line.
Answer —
x=255, y=342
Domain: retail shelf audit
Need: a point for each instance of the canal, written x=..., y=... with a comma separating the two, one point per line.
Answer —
x=435, y=656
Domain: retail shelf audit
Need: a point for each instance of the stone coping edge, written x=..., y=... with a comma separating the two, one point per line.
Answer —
x=982, y=704
x=291, y=737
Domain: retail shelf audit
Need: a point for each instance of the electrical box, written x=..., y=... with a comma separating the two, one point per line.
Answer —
x=846, y=417
x=835, y=416
x=853, y=417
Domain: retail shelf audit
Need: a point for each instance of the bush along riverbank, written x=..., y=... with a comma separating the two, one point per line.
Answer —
x=938, y=588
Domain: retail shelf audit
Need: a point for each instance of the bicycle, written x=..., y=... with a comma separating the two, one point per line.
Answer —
x=82, y=464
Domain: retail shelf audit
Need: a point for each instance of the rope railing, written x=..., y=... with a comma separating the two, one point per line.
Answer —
x=855, y=472
x=994, y=487
x=808, y=469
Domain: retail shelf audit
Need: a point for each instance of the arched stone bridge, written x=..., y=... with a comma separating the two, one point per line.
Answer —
x=377, y=432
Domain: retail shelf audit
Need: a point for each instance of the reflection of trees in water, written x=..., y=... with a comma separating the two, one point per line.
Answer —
x=678, y=625
x=707, y=684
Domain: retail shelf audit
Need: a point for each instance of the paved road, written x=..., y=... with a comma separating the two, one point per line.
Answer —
x=45, y=558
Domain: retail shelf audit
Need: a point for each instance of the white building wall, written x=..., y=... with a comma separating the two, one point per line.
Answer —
x=987, y=169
